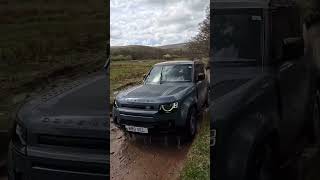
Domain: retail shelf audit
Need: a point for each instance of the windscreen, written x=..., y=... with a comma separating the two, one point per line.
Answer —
x=169, y=73
x=237, y=37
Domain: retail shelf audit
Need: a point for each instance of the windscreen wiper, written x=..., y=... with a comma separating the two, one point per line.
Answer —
x=161, y=75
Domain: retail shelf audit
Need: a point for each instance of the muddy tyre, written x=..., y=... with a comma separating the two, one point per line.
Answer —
x=192, y=124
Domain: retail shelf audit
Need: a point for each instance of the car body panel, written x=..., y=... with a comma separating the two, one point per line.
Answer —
x=252, y=101
x=67, y=124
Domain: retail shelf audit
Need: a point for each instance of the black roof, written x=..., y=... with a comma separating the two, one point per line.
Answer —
x=251, y=3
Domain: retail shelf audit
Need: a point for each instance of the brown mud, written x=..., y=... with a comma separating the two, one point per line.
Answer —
x=135, y=158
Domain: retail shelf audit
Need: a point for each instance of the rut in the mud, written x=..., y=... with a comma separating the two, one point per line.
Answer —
x=136, y=159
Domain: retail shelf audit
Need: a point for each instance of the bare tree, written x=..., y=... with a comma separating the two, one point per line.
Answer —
x=199, y=46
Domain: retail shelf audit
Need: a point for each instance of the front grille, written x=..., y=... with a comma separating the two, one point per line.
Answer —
x=135, y=106
x=77, y=142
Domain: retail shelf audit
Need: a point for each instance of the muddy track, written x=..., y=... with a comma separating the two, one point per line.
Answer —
x=136, y=158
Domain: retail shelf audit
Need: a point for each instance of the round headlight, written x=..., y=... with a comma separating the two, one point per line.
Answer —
x=169, y=107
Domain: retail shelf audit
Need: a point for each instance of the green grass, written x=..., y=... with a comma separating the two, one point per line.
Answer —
x=137, y=52
x=197, y=165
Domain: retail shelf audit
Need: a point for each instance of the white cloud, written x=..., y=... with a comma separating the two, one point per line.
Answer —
x=155, y=22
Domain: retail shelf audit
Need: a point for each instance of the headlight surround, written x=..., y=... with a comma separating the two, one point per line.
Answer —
x=21, y=134
x=170, y=107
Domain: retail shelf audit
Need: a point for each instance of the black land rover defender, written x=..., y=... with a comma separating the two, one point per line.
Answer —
x=264, y=90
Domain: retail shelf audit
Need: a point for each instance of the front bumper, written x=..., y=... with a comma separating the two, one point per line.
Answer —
x=157, y=123
x=51, y=164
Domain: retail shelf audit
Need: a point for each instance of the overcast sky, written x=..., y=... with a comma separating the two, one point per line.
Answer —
x=155, y=22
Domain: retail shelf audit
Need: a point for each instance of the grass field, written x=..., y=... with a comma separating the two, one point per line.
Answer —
x=197, y=166
x=43, y=40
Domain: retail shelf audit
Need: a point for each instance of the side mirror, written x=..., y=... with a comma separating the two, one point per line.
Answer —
x=292, y=48
x=201, y=77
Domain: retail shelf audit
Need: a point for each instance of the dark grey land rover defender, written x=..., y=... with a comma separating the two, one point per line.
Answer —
x=168, y=101
x=264, y=90
x=62, y=134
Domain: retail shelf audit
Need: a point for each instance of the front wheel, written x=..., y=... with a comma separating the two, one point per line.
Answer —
x=192, y=124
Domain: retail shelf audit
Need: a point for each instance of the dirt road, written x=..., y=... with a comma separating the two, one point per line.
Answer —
x=136, y=159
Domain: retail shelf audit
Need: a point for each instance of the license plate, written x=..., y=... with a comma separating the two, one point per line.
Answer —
x=137, y=129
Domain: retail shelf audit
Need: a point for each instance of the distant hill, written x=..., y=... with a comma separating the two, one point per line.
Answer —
x=174, y=46
x=135, y=52
x=133, y=47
